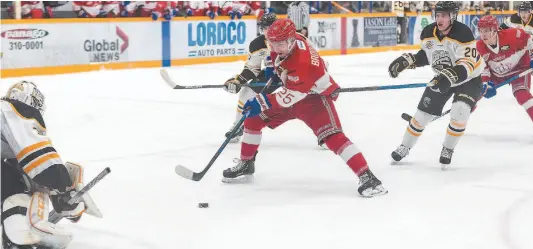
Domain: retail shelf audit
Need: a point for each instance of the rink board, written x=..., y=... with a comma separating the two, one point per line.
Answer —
x=57, y=46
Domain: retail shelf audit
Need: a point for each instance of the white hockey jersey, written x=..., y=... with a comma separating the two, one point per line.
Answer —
x=23, y=136
x=457, y=48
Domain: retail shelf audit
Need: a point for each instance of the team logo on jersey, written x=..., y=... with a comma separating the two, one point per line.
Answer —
x=301, y=44
x=293, y=78
x=441, y=59
x=505, y=47
x=426, y=102
x=429, y=44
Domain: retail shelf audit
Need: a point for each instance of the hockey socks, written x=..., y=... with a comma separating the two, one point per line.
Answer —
x=525, y=99
x=342, y=146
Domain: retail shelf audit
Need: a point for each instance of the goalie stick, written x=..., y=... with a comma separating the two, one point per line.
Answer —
x=55, y=217
x=189, y=174
x=408, y=117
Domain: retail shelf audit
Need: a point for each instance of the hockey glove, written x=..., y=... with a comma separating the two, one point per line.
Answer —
x=407, y=60
x=269, y=67
x=72, y=212
x=256, y=105
x=443, y=82
x=489, y=90
x=232, y=85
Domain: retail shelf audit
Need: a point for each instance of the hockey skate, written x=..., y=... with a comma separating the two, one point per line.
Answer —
x=445, y=157
x=237, y=137
x=240, y=173
x=400, y=153
x=370, y=185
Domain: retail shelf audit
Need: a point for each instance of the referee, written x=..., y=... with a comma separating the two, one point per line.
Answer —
x=298, y=13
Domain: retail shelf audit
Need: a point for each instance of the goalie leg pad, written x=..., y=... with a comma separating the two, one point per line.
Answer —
x=25, y=222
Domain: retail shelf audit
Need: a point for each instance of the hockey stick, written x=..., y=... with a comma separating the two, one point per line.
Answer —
x=408, y=117
x=174, y=85
x=55, y=217
x=189, y=174
x=377, y=88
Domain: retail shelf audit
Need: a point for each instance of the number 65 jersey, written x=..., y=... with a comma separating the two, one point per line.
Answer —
x=456, y=50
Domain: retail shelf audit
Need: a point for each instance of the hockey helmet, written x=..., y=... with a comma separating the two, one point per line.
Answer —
x=446, y=7
x=267, y=20
x=27, y=93
x=524, y=6
x=487, y=21
x=281, y=30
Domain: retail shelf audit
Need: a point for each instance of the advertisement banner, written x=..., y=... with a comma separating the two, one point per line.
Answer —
x=416, y=25
x=42, y=45
x=471, y=22
x=211, y=38
x=354, y=32
x=380, y=31
x=325, y=33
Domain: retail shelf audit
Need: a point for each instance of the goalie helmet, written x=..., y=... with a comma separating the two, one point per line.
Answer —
x=27, y=93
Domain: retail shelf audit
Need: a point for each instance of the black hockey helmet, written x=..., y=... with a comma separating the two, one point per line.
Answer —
x=447, y=7
x=524, y=6
x=267, y=19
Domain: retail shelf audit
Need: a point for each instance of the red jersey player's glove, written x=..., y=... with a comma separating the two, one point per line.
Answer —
x=489, y=90
x=256, y=105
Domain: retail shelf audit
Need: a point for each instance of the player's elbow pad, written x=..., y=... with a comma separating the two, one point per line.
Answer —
x=421, y=59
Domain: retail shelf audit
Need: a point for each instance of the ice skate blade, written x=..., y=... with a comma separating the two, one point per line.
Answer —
x=239, y=179
x=369, y=193
x=444, y=167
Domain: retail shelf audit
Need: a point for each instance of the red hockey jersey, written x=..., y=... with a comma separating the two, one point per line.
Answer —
x=302, y=72
x=510, y=56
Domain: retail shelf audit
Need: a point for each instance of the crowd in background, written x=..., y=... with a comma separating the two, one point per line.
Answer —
x=213, y=9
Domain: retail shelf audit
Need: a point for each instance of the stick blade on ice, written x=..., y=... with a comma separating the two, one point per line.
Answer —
x=166, y=78
x=184, y=172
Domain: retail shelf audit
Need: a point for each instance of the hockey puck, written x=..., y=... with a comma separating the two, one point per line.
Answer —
x=203, y=205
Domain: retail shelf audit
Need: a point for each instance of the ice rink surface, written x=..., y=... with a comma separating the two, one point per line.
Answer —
x=302, y=197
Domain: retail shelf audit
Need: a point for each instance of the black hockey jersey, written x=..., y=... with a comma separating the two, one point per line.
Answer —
x=455, y=50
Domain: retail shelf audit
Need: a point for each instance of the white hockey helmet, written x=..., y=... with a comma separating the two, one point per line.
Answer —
x=27, y=93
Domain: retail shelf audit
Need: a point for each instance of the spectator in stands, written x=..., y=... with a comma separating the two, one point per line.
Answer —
x=89, y=9
x=31, y=9
x=241, y=8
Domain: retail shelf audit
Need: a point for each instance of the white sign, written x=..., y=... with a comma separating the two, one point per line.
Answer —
x=355, y=32
x=420, y=23
x=45, y=45
x=211, y=38
x=325, y=33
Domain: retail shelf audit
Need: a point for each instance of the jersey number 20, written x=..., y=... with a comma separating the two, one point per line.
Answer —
x=471, y=52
